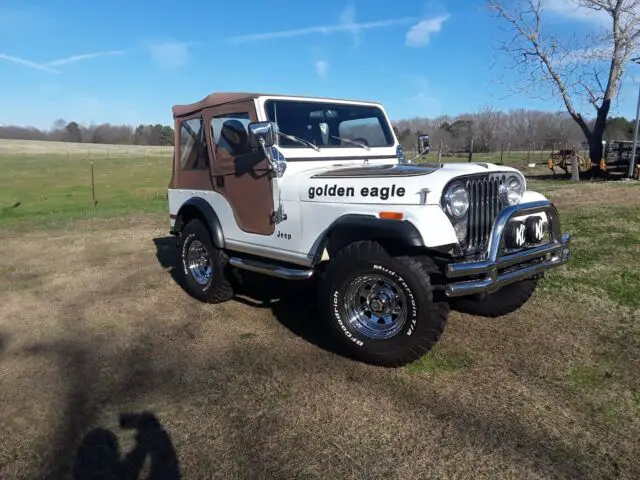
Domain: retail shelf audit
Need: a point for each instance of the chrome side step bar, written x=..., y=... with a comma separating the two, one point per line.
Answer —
x=271, y=269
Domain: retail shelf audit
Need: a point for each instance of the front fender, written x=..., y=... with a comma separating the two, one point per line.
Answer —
x=434, y=226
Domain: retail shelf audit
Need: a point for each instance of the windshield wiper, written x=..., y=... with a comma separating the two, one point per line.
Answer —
x=301, y=141
x=366, y=147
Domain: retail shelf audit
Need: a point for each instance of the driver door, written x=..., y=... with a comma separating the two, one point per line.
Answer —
x=239, y=174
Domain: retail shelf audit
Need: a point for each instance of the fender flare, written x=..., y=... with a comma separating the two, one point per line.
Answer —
x=374, y=228
x=206, y=213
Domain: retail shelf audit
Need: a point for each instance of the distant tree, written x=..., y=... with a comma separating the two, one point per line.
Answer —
x=462, y=131
x=592, y=72
x=73, y=132
x=618, y=128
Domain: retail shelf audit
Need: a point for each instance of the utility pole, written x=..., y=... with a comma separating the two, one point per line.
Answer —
x=632, y=160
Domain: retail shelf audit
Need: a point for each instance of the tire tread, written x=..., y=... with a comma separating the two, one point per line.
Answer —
x=221, y=289
x=421, y=268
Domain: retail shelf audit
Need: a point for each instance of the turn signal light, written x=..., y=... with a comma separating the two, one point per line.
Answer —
x=391, y=215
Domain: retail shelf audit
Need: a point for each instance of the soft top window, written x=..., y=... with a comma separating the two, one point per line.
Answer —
x=325, y=124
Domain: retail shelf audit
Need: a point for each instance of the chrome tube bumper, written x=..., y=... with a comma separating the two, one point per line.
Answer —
x=498, y=270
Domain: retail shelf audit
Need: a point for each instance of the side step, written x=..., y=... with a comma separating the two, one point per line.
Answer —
x=271, y=269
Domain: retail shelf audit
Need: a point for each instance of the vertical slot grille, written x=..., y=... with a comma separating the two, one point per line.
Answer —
x=484, y=206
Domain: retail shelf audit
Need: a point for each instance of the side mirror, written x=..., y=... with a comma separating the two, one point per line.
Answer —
x=263, y=134
x=424, y=146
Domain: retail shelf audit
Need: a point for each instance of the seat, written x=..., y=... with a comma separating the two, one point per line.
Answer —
x=236, y=137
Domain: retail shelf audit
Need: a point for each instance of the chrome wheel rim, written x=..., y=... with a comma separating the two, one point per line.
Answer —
x=375, y=306
x=199, y=262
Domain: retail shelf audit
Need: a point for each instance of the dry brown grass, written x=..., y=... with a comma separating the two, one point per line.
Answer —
x=93, y=325
x=571, y=196
x=93, y=150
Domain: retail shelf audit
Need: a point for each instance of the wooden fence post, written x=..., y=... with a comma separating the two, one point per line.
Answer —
x=93, y=188
x=471, y=150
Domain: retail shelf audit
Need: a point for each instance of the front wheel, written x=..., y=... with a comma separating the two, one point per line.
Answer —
x=501, y=302
x=382, y=308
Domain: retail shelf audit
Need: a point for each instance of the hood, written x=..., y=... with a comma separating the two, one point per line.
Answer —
x=398, y=184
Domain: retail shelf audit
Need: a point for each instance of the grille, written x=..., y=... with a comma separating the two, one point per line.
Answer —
x=484, y=206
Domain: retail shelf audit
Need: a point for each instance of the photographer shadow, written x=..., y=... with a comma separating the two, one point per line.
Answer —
x=99, y=456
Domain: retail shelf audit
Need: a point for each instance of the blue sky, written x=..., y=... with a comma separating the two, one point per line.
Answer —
x=128, y=62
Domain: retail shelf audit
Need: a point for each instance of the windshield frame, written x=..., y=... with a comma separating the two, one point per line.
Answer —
x=385, y=123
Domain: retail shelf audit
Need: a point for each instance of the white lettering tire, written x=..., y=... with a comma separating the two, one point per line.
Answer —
x=382, y=308
x=202, y=268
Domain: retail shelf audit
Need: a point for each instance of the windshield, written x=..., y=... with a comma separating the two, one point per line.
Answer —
x=331, y=125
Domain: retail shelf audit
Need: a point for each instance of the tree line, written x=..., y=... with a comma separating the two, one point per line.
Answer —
x=492, y=130
x=106, y=133
x=488, y=129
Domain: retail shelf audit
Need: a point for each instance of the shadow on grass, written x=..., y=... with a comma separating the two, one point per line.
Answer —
x=253, y=409
x=98, y=455
x=72, y=450
x=293, y=304
x=152, y=367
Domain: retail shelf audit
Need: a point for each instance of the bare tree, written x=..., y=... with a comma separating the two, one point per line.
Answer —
x=581, y=71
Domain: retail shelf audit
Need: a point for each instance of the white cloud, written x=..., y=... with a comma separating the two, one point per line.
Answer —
x=84, y=56
x=170, y=54
x=48, y=66
x=571, y=9
x=348, y=19
x=323, y=29
x=27, y=63
x=322, y=67
x=420, y=34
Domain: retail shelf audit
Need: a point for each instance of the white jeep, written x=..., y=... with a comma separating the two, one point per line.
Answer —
x=306, y=188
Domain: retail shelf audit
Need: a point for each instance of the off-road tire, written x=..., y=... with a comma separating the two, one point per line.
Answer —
x=219, y=289
x=425, y=320
x=499, y=303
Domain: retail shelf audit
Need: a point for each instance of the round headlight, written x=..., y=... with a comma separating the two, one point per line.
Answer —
x=512, y=190
x=457, y=201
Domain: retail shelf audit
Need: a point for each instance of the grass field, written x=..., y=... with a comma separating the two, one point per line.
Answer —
x=47, y=190
x=94, y=325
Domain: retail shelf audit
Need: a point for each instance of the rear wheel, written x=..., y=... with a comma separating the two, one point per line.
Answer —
x=382, y=308
x=202, y=265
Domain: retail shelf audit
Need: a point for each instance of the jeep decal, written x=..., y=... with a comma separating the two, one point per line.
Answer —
x=383, y=193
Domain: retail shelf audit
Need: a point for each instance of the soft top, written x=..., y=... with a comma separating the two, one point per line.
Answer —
x=212, y=100
x=220, y=98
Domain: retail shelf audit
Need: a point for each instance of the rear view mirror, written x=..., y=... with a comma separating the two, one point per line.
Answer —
x=263, y=134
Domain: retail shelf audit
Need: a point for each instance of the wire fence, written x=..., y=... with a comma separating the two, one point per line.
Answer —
x=88, y=151
x=534, y=155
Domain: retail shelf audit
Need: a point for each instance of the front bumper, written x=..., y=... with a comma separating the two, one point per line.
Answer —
x=498, y=269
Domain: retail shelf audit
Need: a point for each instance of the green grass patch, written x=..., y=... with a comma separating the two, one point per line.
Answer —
x=605, y=250
x=442, y=359
x=587, y=377
x=41, y=191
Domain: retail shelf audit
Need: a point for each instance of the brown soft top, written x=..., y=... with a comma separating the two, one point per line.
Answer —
x=212, y=100
x=221, y=98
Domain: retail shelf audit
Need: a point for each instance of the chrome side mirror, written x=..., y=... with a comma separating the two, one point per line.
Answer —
x=263, y=134
x=424, y=146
